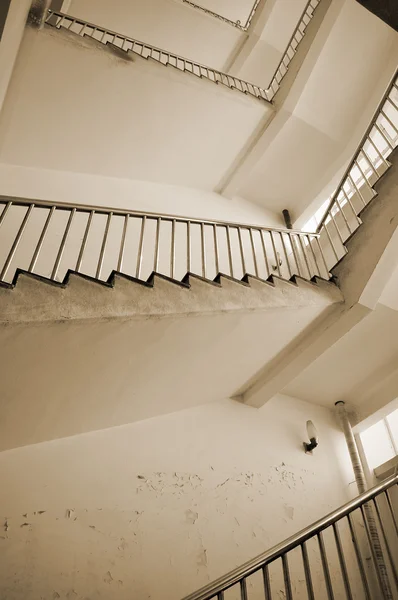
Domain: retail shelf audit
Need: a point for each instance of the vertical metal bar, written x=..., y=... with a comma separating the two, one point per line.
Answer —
x=231, y=269
x=216, y=259
x=384, y=137
x=254, y=252
x=305, y=255
x=359, y=558
x=285, y=253
x=220, y=596
x=342, y=562
x=103, y=246
x=140, y=246
x=343, y=215
x=330, y=240
x=275, y=254
x=41, y=240
x=156, y=253
x=323, y=256
x=286, y=577
x=356, y=162
x=173, y=248
x=336, y=226
x=188, y=246
x=378, y=151
x=243, y=589
x=267, y=584
x=5, y=211
x=16, y=242
x=63, y=243
x=307, y=572
x=351, y=205
x=369, y=162
x=313, y=254
x=325, y=566
x=264, y=251
x=202, y=243
x=394, y=519
x=293, y=245
x=122, y=244
x=241, y=251
x=386, y=543
x=357, y=188
x=84, y=241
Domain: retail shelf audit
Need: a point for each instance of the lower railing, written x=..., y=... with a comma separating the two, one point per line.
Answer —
x=331, y=559
x=51, y=238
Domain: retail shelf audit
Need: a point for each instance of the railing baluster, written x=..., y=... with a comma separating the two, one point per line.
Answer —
x=5, y=211
x=325, y=566
x=323, y=257
x=63, y=243
x=286, y=578
x=267, y=583
x=231, y=267
x=202, y=242
x=307, y=264
x=294, y=249
x=243, y=589
x=254, y=252
x=140, y=247
x=342, y=562
x=384, y=137
x=351, y=179
x=307, y=572
x=336, y=227
x=122, y=244
x=330, y=241
x=84, y=242
x=313, y=254
x=103, y=246
x=156, y=253
x=41, y=240
x=216, y=258
x=188, y=246
x=173, y=248
x=16, y=242
x=242, y=255
x=276, y=255
x=285, y=253
x=264, y=252
x=359, y=558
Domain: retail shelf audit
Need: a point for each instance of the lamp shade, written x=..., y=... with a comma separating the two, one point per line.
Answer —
x=311, y=431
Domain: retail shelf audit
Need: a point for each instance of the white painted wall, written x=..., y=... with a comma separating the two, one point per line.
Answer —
x=167, y=24
x=75, y=106
x=159, y=508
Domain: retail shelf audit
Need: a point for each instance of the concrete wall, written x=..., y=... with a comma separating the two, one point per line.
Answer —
x=168, y=24
x=159, y=508
x=73, y=105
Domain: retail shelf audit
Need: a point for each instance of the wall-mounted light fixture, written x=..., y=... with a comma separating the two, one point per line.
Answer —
x=313, y=437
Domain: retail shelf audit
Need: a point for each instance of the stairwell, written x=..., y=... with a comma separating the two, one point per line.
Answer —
x=111, y=316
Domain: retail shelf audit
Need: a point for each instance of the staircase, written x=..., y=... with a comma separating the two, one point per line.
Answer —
x=337, y=545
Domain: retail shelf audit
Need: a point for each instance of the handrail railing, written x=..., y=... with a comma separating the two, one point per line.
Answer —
x=239, y=578
x=127, y=43
x=375, y=146
x=51, y=238
x=236, y=24
x=85, y=28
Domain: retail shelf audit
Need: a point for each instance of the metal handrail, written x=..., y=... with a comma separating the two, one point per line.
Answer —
x=236, y=24
x=360, y=149
x=209, y=246
x=214, y=589
x=203, y=70
x=19, y=201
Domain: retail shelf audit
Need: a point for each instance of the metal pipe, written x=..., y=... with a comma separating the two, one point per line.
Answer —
x=242, y=256
x=254, y=252
x=122, y=244
x=140, y=246
x=103, y=247
x=202, y=241
x=62, y=246
x=325, y=566
x=368, y=514
x=359, y=558
x=156, y=253
x=342, y=562
x=286, y=578
x=267, y=583
x=173, y=249
x=216, y=260
x=231, y=269
x=307, y=572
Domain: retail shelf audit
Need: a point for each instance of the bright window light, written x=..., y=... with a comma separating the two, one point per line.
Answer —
x=377, y=444
x=392, y=422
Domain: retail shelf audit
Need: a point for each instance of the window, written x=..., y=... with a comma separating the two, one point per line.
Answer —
x=380, y=441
